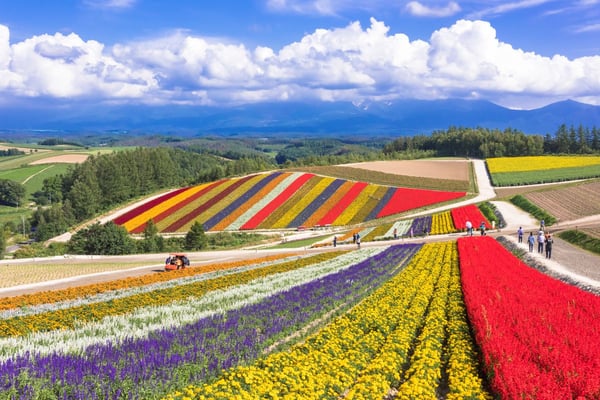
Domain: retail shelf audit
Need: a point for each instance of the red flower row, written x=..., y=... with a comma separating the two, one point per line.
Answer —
x=472, y=213
x=407, y=199
x=538, y=335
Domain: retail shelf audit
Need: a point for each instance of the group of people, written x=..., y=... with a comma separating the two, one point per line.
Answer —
x=469, y=226
x=543, y=238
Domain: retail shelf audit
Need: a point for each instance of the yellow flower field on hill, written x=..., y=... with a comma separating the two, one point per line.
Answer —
x=537, y=163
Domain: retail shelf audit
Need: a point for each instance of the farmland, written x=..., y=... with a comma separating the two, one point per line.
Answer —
x=510, y=171
x=388, y=320
x=277, y=200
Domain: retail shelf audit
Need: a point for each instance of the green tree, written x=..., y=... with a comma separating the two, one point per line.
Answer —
x=52, y=221
x=195, y=239
x=107, y=239
x=2, y=242
x=11, y=192
x=152, y=241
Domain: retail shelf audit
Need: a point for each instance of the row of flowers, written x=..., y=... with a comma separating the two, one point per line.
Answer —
x=400, y=342
x=29, y=301
x=538, y=335
x=215, y=331
x=277, y=200
x=538, y=163
x=64, y=318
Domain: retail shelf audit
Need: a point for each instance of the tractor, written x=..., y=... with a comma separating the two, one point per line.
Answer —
x=176, y=261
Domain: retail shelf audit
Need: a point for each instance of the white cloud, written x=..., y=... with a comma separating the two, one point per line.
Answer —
x=506, y=7
x=420, y=10
x=110, y=4
x=352, y=63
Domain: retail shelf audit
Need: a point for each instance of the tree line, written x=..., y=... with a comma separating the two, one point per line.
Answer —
x=486, y=143
x=105, y=181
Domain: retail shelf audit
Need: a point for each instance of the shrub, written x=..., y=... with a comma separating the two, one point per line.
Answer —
x=582, y=240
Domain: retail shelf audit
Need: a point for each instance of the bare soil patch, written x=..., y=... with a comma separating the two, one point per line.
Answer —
x=438, y=169
x=65, y=158
x=570, y=202
x=25, y=149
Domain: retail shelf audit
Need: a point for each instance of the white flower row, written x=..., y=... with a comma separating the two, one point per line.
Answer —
x=126, y=292
x=141, y=322
x=401, y=227
x=245, y=217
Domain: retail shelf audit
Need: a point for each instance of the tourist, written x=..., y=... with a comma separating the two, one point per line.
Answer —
x=395, y=233
x=482, y=228
x=335, y=241
x=541, y=239
x=549, y=242
x=531, y=241
x=358, y=240
x=520, y=234
x=469, y=226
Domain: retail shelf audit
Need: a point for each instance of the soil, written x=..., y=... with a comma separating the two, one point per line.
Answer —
x=438, y=169
x=65, y=158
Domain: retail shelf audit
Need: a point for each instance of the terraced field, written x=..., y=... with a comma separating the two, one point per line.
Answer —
x=569, y=202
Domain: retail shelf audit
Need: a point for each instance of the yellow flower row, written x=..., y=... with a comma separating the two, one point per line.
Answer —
x=442, y=223
x=370, y=204
x=70, y=317
x=299, y=206
x=296, y=198
x=358, y=204
x=53, y=296
x=163, y=206
x=361, y=354
x=535, y=163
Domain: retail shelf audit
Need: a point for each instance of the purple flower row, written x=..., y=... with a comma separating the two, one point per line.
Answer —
x=218, y=217
x=316, y=203
x=382, y=203
x=420, y=226
x=171, y=359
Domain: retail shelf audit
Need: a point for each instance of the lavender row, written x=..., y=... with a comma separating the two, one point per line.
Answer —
x=316, y=203
x=421, y=226
x=169, y=359
x=218, y=217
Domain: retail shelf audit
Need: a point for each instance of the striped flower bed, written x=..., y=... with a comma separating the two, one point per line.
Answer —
x=277, y=200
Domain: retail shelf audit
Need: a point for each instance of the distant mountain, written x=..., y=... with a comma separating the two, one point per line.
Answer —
x=391, y=119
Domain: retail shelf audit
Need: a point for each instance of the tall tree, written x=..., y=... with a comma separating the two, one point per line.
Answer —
x=11, y=193
x=195, y=239
x=152, y=241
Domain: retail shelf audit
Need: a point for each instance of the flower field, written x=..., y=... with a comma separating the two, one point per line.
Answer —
x=510, y=171
x=277, y=200
x=379, y=322
x=538, y=336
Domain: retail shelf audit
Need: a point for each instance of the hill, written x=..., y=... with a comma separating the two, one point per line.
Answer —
x=387, y=119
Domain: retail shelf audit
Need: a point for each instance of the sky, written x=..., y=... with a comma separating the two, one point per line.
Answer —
x=521, y=54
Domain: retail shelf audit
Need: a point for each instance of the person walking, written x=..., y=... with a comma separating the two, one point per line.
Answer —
x=482, y=228
x=469, y=226
x=520, y=234
x=531, y=241
x=540, y=240
x=358, y=240
x=549, y=242
x=395, y=233
x=335, y=241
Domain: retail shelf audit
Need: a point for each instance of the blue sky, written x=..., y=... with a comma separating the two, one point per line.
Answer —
x=520, y=54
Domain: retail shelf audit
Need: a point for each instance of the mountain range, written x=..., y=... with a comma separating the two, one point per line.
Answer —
x=389, y=119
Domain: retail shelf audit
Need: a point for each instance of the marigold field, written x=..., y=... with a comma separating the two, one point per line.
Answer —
x=461, y=319
x=509, y=171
